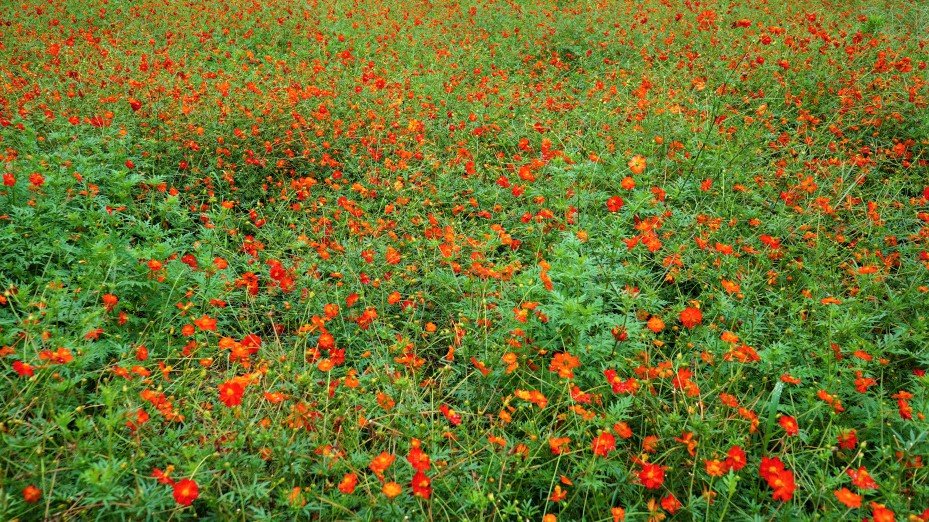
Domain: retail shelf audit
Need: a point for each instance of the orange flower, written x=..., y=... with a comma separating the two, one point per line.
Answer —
x=691, y=317
x=60, y=356
x=392, y=256
x=880, y=513
x=715, y=468
x=637, y=164
x=848, y=498
x=655, y=324
x=109, y=301
x=618, y=513
x=861, y=478
x=671, y=504
x=206, y=322
x=623, y=430
x=348, y=483
x=380, y=464
x=564, y=363
x=557, y=444
x=789, y=424
x=391, y=489
x=650, y=444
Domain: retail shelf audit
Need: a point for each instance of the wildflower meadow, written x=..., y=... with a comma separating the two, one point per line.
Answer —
x=553, y=260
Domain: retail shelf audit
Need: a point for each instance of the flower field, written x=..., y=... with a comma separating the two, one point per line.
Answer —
x=464, y=260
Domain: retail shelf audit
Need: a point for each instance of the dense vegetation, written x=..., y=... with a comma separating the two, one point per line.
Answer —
x=464, y=260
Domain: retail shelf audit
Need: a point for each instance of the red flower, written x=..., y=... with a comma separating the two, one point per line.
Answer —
x=880, y=513
x=230, y=393
x=783, y=486
x=671, y=504
x=422, y=485
x=770, y=467
x=36, y=179
x=603, y=444
x=418, y=458
x=163, y=477
x=651, y=476
x=450, y=415
x=736, y=459
x=109, y=301
x=31, y=494
x=861, y=478
x=8, y=179
x=23, y=369
x=206, y=323
x=691, y=317
x=848, y=440
x=789, y=424
x=614, y=204
x=185, y=492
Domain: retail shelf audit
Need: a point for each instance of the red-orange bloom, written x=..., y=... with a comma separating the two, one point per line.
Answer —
x=32, y=494
x=614, y=204
x=651, y=476
x=418, y=458
x=691, y=317
x=848, y=498
x=783, y=486
x=861, y=478
x=348, y=483
x=618, y=513
x=670, y=503
x=655, y=324
x=736, y=458
x=637, y=164
x=230, y=393
x=880, y=513
x=206, y=322
x=770, y=467
x=109, y=301
x=380, y=464
x=603, y=444
x=185, y=492
x=848, y=440
x=789, y=424
x=422, y=485
x=564, y=363
x=715, y=467
x=23, y=369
